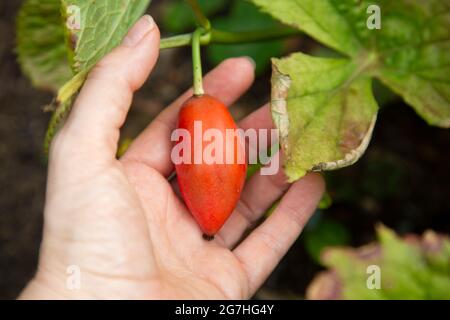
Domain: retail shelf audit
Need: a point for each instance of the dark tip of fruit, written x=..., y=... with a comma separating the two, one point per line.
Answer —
x=208, y=237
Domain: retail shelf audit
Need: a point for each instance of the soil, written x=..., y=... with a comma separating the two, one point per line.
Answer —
x=402, y=181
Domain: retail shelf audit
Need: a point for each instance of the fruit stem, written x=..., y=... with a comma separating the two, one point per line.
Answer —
x=197, y=63
x=204, y=37
x=227, y=37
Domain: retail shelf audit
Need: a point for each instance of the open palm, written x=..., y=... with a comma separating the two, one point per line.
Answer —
x=122, y=223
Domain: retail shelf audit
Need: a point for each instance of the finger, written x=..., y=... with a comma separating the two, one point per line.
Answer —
x=259, y=119
x=103, y=103
x=261, y=191
x=227, y=83
x=259, y=194
x=262, y=250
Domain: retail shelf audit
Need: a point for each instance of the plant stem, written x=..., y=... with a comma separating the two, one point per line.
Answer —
x=202, y=20
x=182, y=40
x=203, y=36
x=226, y=37
x=197, y=62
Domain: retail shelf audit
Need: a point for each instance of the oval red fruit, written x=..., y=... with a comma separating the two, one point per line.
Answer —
x=211, y=190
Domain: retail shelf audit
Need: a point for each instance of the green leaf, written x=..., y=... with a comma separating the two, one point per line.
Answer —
x=319, y=19
x=414, y=45
x=40, y=44
x=104, y=23
x=406, y=270
x=324, y=110
x=399, y=255
x=409, y=54
x=244, y=16
x=178, y=17
x=93, y=28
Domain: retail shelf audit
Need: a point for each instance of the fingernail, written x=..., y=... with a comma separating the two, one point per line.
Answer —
x=138, y=31
x=251, y=60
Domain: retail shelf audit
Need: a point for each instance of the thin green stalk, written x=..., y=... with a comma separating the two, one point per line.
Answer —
x=203, y=36
x=197, y=63
x=226, y=37
x=182, y=40
x=202, y=20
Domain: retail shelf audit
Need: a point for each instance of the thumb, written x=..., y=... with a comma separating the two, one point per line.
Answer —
x=103, y=103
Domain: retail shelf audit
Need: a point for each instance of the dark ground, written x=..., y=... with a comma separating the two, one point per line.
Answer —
x=402, y=181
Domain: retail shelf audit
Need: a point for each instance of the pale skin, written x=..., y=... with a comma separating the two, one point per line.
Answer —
x=120, y=220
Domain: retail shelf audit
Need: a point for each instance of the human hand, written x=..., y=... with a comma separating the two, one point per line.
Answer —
x=122, y=223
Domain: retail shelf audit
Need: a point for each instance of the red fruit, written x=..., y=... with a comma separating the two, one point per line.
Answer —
x=211, y=191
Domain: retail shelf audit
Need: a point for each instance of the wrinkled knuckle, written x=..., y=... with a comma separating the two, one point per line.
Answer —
x=105, y=69
x=120, y=88
x=278, y=182
x=100, y=71
x=271, y=242
x=294, y=214
x=108, y=61
x=246, y=211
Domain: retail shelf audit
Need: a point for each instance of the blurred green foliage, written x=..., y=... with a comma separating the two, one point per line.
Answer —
x=323, y=232
x=244, y=16
x=178, y=17
x=382, y=177
x=405, y=268
x=326, y=201
x=238, y=15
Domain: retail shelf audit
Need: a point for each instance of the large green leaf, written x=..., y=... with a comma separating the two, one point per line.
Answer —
x=324, y=110
x=413, y=47
x=104, y=23
x=319, y=19
x=40, y=44
x=90, y=29
x=410, y=268
x=409, y=54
